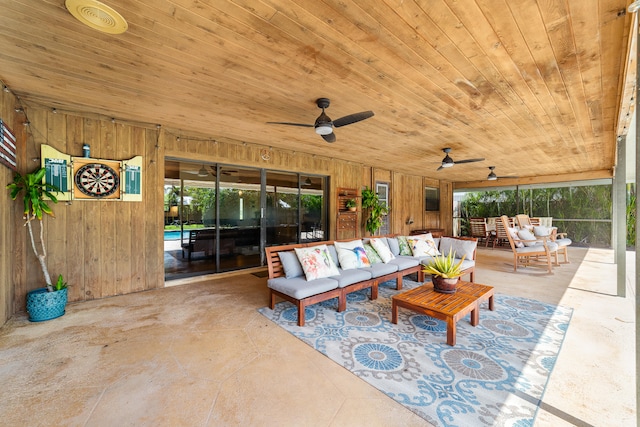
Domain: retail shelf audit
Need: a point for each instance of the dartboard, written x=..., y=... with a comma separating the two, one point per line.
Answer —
x=97, y=180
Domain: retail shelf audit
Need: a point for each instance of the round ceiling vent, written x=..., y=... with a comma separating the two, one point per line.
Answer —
x=97, y=15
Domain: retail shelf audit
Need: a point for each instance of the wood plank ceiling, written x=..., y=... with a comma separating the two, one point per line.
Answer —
x=534, y=87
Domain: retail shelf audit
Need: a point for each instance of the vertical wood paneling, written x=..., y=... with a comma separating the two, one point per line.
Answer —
x=56, y=236
x=92, y=222
x=74, y=245
x=36, y=134
x=123, y=219
x=10, y=264
x=153, y=212
x=137, y=230
x=108, y=212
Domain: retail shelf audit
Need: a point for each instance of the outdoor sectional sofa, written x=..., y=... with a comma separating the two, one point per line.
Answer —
x=287, y=278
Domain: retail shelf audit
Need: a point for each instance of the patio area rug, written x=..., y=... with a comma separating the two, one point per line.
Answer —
x=495, y=375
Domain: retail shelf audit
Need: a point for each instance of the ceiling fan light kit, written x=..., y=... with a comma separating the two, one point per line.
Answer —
x=448, y=162
x=324, y=129
x=493, y=177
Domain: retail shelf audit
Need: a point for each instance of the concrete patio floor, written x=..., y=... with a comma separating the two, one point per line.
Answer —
x=199, y=354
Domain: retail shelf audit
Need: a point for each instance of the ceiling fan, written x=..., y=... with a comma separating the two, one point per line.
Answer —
x=492, y=175
x=324, y=125
x=448, y=162
x=206, y=171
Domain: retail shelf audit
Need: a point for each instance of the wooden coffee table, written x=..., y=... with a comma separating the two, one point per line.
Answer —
x=447, y=307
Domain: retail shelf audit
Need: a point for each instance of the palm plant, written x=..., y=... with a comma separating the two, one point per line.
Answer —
x=36, y=192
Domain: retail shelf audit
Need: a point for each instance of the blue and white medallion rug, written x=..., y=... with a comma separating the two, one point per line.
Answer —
x=494, y=376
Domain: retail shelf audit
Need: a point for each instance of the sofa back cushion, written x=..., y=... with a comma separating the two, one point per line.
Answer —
x=460, y=247
x=316, y=262
x=290, y=264
x=352, y=255
x=394, y=245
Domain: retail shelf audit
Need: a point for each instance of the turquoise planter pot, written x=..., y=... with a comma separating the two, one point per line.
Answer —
x=43, y=305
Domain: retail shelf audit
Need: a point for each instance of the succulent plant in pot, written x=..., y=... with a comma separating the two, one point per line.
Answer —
x=446, y=271
x=48, y=302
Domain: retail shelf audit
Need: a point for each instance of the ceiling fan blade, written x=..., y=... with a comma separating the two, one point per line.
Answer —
x=330, y=137
x=469, y=161
x=290, y=124
x=440, y=168
x=352, y=118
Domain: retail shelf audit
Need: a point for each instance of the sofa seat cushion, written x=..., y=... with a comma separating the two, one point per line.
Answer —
x=381, y=269
x=467, y=263
x=351, y=276
x=537, y=248
x=404, y=262
x=300, y=288
x=563, y=242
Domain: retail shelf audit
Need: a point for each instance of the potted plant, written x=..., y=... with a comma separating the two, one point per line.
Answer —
x=48, y=302
x=445, y=272
x=350, y=204
x=376, y=210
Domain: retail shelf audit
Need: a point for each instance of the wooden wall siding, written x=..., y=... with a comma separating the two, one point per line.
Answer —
x=446, y=207
x=405, y=206
x=10, y=253
x=431, y=219
x=103, y=248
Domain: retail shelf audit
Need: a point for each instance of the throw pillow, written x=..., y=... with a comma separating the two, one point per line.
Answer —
x=513, y=232
x=460, y=247
x=525, y=234
x=382, y=249
x=405, y=249
x=290, y=264
x=420, y=247
x=541, y=230
x=373, y=256
x=352, y=255
x=316, y=262
x=428, y=239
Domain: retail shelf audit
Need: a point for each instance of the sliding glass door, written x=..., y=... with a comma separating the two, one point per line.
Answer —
x=221, y=217
x=239, y=218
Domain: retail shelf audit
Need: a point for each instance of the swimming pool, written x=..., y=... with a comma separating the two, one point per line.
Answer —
x=175, y=235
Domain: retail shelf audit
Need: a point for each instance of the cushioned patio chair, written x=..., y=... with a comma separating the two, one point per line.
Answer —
x=533, y=224
x=532, y=249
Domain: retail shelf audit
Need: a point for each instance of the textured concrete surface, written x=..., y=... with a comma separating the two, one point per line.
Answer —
x=199, y=354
